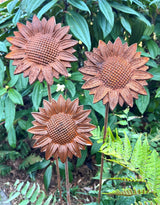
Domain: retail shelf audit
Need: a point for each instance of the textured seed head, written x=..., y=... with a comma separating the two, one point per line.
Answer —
x=115, y=73
x=61, y=128
x=42, y=49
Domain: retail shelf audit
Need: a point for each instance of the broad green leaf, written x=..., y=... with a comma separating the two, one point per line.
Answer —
x=143, y=101
x=3, y=47
x=9, y=113
x=2, y=116
x=4, y=4
x=53, y=90
x=47, y=177
x=104, y=24
x=123, y=8
x=154, y=2
x=22, y=124
x=45, y=8
x=156, y=73
x=153, y=48
x=12, y=137
x=140, y=4
x=125, y=23
x=38, y=165
x=31, y=6
x=149, y=30
x=11, y=6
x=79, y=4
x=17, y=16
x=2, y=70
x=98, y=107
x=14, y=78
x=107, y=11
x=122, y=122
x=96, y=147
x=79, y=27
x=37, y=94
x=81, y=160
x=15, y=96
x=2, y=91
x=77, y=76
x=21, y=83
x=157, y=93
x=71, y=87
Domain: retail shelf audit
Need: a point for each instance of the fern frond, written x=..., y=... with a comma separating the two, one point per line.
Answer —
x=30, y=194
x=4, y=169
x=128, y=192
x=144, y=203
x=31, y=159
x=126, y=179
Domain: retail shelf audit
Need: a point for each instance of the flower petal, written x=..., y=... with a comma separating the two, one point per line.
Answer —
x=52, y=148
x=42, y=142
x=38, y=130
x=59, y=67
x=141, y=75
x=20, y=42
x=48, y=74
x=113, y=98
x=61, y=104
x=50, y=25
x=81, y=116
x=60, y=33
x=130, y=52
x=66, y=56
x=82, y=139
x=126, y=95
x=73, y=147
x=93, y=82
x=100, y=93
x=90, y=70
x=48, y=108
x=71, y=107
x=137, y=87
x=16, y=54
x=96, y=59
x=22, y=67
x=34, y=72
x=66, y=43
x=138, y=62
x=62, y=152
x=40, y=117
x=24, y=30
x=85, y=127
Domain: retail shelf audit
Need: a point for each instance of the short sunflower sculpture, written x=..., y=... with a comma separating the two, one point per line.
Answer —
x=41, y=50
x=61, y=129
x=114, y=73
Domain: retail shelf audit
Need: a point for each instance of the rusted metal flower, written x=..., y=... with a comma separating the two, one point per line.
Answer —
x=115, y=73
x=62, y=128
x=42, y=49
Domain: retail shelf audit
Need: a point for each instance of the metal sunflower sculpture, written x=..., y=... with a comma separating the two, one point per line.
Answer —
x=61, y=129
x=41, y=50
x=114, y=73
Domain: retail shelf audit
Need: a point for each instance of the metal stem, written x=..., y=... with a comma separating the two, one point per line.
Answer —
x=67, y=183
x=57, y=164
x=102, y=156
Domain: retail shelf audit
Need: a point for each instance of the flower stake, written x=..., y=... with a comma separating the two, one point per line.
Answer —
x=114, y=73
x=62, y=129
x=42, y=50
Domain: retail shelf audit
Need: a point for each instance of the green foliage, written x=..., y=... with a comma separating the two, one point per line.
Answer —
x=141, y=160
x=31, y=194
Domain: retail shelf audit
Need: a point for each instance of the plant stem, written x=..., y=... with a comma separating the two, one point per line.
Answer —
x=57, y=164
x=102, y=156
x=67, y=183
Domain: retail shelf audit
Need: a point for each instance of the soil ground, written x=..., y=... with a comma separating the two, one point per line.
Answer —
x=83, y=182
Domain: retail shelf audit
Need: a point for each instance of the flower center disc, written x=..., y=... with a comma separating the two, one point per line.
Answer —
x=42, y=49
x=115, y=72
x=61, y=128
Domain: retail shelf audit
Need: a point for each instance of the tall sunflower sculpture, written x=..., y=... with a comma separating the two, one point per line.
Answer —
x=114, y=73
x=42, y=50
x=62, y=129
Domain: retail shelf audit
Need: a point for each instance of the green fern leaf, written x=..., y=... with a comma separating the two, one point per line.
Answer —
x=40, y=198
x=35, y=194
x=31, y=190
